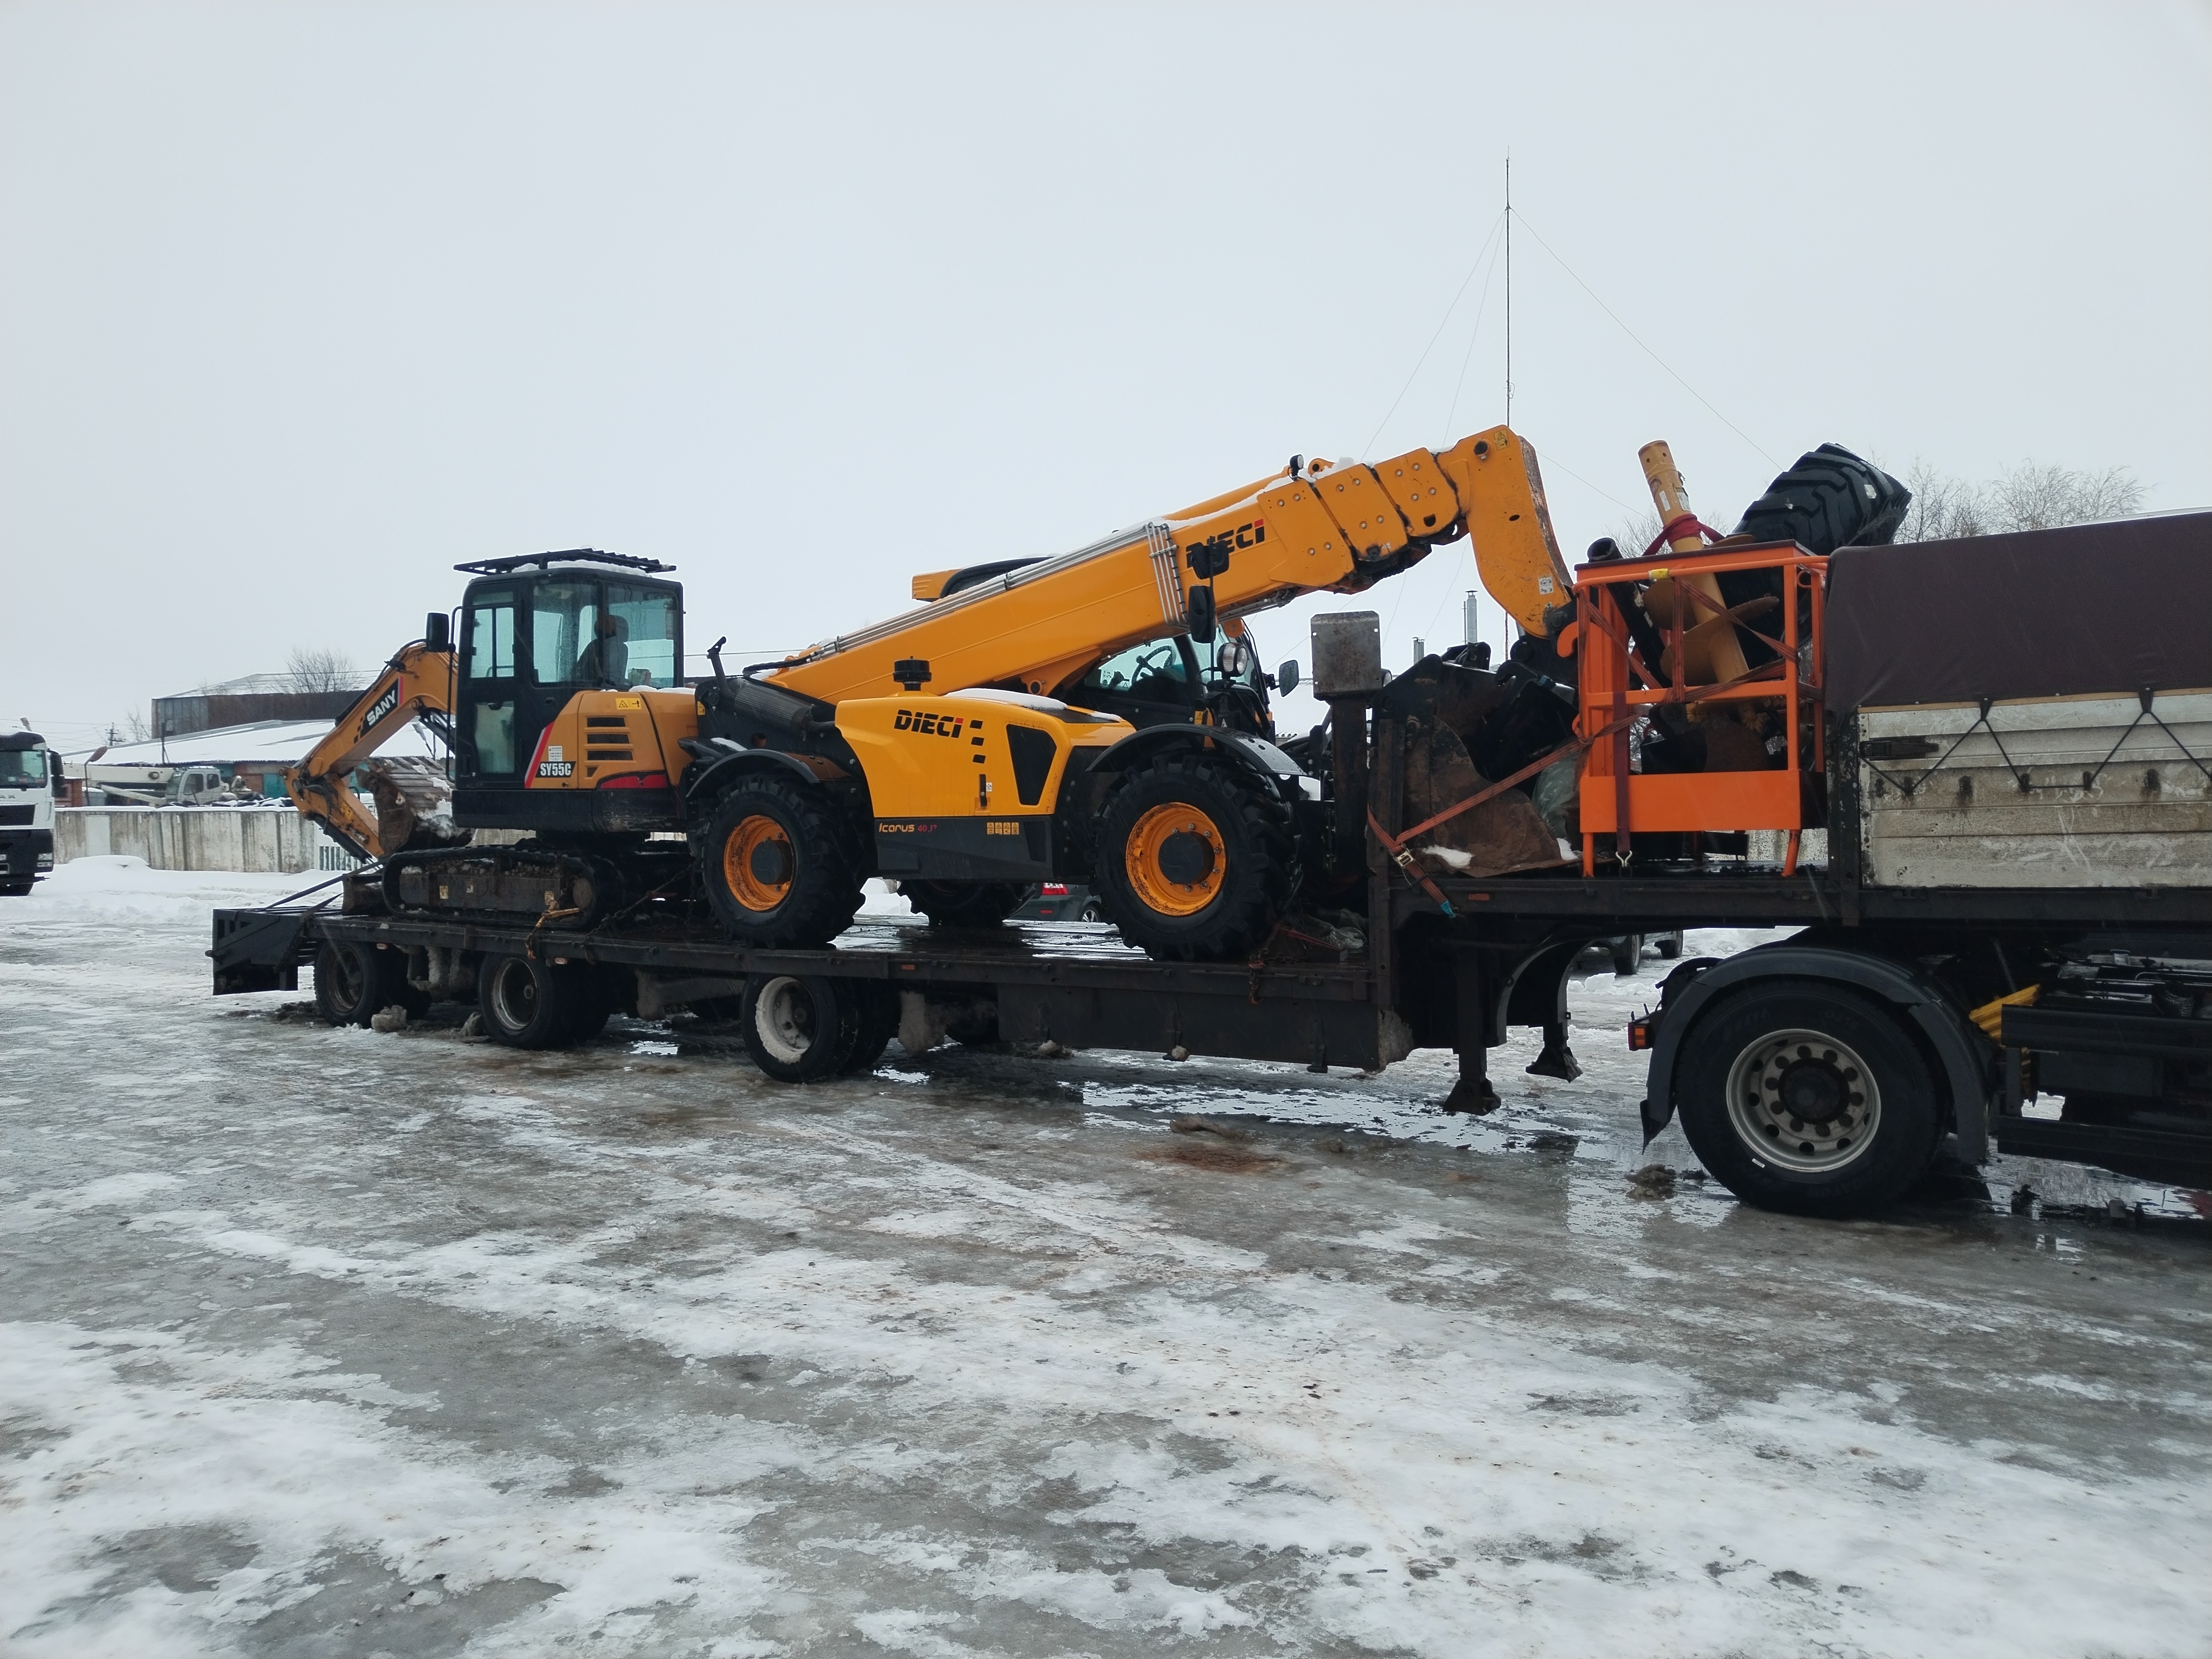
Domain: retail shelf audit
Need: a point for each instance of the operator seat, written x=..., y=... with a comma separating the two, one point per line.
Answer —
x=605, y=659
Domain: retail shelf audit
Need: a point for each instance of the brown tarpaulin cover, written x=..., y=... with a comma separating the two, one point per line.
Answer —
x=2096, y=607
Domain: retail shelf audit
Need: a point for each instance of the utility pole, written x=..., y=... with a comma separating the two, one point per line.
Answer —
x=1509, y=287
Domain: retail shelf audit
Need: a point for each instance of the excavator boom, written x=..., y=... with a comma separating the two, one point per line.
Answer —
x=418, y=681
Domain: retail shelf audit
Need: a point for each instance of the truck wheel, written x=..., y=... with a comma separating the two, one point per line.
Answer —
x=963, y=903
x=797, y=1028
x=1670, y=945
x=781, y=864
x=592, y=1004
x=355, y=982
x=878, y=1017
x=1806, y=1098
x=526, y=1004
x=1627, y=954
x=1194, y=860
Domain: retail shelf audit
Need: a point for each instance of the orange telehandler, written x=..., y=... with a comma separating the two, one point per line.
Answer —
x=1097, y=717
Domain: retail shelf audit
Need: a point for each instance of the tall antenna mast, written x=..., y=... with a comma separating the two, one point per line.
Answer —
x=1509, y=287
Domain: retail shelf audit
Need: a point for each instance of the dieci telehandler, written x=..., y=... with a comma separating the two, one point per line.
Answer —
x=1098, y=717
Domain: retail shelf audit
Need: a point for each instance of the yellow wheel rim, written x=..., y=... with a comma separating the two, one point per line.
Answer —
x=1175, y=858
x=742, y=862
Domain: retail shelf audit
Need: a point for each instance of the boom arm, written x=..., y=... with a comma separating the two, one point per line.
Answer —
x=418, y=681
x=1340, y=528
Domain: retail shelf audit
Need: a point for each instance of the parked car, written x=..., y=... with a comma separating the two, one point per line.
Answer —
x=1060, y=901
x=1628, y=949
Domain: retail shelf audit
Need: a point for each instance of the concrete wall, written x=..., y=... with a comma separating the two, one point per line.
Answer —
x=199, y=838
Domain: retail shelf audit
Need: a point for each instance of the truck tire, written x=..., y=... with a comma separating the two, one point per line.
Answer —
x=879, y=1019
x=526, y=1004
x=1195, y=860
x=781, y=864
x=356, y=982
x=963, y=903
x=1627, y=952
x=797, y=1028
x=592, y=1004
x=1805, y=1096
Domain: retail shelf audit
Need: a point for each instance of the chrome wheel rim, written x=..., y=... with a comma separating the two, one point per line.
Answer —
x=1804, y=1101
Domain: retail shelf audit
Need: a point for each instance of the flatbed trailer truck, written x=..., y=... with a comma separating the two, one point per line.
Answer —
x=2007, y=946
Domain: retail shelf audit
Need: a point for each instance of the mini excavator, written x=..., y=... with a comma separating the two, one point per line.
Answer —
x=1100, y=716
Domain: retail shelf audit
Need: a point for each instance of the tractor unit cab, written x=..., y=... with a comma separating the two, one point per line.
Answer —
x=27, y=810
x=569, y=674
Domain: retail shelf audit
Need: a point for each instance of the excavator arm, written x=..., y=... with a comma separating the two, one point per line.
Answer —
x=418, y=681
x=1038, y=624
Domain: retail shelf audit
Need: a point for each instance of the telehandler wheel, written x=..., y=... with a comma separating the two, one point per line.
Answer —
x=529, y=1004
x=356, y=982
x=797, y=1028
x=963, y=903
x=781, y=864
x=1196, y=860
x=1804, y=1096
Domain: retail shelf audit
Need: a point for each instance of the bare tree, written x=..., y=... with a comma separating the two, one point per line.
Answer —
x=2032, y=496
x=312, y=670
x=134, y=727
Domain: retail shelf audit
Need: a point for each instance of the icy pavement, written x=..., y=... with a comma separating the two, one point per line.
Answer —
x=333, y=1343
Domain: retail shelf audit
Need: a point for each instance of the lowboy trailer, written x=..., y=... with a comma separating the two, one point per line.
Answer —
x=2007, y=744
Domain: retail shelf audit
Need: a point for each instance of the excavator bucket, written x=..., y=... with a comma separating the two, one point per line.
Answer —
x=1503, y=835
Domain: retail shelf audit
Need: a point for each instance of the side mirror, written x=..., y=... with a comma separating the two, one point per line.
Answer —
x=1200, y=612
x=434, y=634
x=1286, y=677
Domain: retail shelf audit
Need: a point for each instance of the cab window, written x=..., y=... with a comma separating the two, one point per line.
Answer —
x=1151, y=672
x=565, y=635
x=642, y=649
x=23, y=768
x=491, y=636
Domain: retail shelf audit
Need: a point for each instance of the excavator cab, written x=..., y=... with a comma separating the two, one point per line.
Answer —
x=540, y=636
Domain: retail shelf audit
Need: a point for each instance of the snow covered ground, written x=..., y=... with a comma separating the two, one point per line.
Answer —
x=333, y=1343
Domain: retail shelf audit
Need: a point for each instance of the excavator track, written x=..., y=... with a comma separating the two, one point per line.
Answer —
x=573, y=891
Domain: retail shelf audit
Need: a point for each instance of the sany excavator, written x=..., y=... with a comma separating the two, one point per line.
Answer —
x=1097, y=717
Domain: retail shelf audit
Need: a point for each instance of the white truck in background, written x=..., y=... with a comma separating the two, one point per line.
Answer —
x=27, y=811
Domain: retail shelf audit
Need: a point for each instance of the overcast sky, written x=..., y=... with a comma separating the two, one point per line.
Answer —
x=301, y=304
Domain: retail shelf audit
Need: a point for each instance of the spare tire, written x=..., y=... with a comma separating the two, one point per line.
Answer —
x=1829, y=499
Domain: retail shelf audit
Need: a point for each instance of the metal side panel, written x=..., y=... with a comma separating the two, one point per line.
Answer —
x=2114, y=795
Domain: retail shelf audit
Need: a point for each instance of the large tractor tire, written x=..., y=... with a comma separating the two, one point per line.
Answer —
x=963, y=903
x=1809, y=1098
x=1196, y=860
x=354, y=983
x=781, y=864
x=1829, y=499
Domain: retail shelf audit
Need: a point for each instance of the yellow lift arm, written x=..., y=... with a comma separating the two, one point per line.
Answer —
x=1339, y=527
